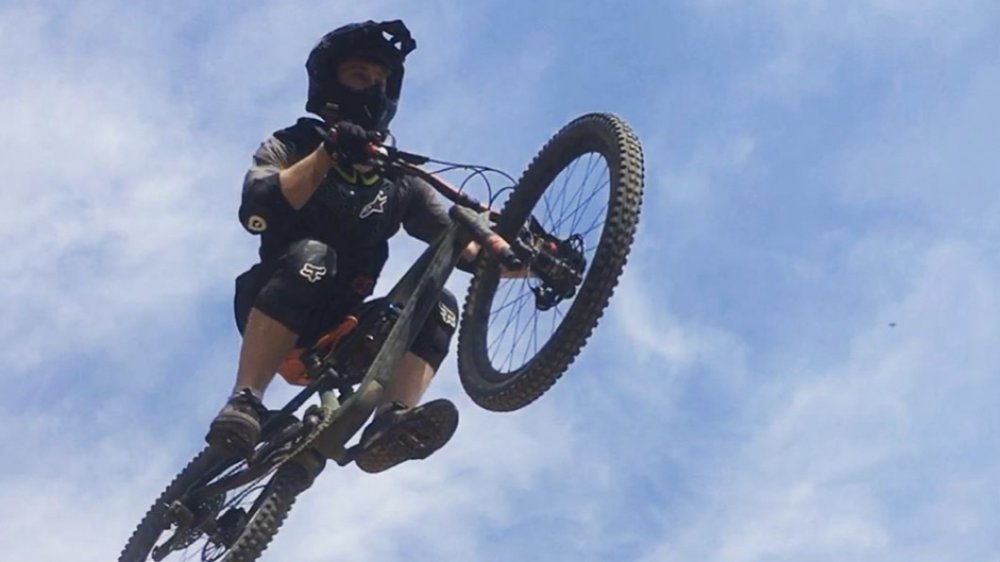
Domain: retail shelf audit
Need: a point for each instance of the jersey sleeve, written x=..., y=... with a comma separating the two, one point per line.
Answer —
x=426, y=218
x=263, y=206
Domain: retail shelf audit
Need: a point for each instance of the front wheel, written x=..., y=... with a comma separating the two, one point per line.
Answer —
x=578, y=204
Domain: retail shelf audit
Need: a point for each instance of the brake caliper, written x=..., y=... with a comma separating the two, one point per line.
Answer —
x=557, y=263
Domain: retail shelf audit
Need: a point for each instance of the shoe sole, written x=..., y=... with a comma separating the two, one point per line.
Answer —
x=234, y=433
x=430, y=428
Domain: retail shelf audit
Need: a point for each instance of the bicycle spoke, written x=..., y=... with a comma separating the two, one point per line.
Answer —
x=569, y=201
x=508, y=303
x=562, y=210
x=579, y=190
x=592, y=228
x=532, y=345
x=574, y=214
x=499, y=337
x=536, y=332
x=578, y=214
x=575, y=197
x=560, y=199
x=510, y=317
x=548, y=208
x=517, y=335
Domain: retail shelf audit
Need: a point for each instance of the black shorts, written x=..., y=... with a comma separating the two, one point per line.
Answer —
x=324, y=314
x=329, y=308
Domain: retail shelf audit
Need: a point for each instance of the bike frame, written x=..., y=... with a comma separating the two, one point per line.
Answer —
x=415, y=296
x=351, y=367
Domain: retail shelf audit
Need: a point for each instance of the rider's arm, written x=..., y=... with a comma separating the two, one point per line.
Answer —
x=473, y=249
x=282, y=178
x=264, y=207
x=299, y=181
x=426, y=219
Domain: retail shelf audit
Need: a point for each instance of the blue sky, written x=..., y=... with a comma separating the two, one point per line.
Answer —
x=815, y=172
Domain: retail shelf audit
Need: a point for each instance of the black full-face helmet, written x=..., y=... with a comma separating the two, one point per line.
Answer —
x=386, y=43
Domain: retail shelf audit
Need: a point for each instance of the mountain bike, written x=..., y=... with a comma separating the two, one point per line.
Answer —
x=517, y=336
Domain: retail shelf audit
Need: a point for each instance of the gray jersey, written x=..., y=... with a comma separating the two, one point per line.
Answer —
x=353, y=213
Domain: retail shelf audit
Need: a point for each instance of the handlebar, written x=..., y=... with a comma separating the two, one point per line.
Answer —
x=468, y=211
x=482, y=233
x=409, y=163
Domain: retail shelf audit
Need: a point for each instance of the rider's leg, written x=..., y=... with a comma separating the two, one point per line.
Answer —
x=413, y=376
x=266, y=343
x=272, y=308
x=417, y=368
x=437, y=419
x=282, y=310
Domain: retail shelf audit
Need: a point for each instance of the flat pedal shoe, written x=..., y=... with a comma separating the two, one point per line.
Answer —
x=407, y=434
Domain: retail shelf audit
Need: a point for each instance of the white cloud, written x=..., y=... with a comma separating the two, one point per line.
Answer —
x=95, y=490
x=933, y=157
x=811, y=43
x=887, y=453
x=121, y=202
x=821, y=477
x=112, y=197
x=438, y=506
x=651, y=335
x=122, y=206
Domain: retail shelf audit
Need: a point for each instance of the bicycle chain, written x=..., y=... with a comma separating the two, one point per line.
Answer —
x=326, y=420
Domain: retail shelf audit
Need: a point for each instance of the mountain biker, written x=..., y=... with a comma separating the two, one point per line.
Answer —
x=324, y=218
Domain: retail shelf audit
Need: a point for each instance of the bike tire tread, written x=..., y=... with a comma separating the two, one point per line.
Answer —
x=144, y=537
x=287, y=483
x=539, y=374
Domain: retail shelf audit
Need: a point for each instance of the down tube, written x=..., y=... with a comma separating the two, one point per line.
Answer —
x=416, y=292
x=421, y=290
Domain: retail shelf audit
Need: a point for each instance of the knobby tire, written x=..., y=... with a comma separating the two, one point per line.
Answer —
x=612, y=138
x=278, y=497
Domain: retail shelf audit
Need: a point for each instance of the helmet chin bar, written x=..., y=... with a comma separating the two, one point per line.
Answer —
x=370, y=108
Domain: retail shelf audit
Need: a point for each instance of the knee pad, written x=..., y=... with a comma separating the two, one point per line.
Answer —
x=302, y=278
x=435, y=335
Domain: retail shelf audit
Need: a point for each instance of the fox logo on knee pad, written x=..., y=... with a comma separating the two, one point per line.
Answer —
x=312, y=273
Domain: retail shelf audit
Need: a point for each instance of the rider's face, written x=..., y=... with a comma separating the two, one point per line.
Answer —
x=361, y=74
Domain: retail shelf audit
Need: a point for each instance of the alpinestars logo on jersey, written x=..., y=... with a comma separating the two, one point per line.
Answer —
x=376, y=205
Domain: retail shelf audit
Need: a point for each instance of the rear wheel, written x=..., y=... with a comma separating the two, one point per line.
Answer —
x=234, y=526
x=578, y=202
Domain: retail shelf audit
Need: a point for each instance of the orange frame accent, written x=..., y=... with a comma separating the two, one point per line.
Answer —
x=294, y=371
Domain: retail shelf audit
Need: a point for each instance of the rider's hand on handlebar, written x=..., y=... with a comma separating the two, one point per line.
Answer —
x=349, y=142
x=472, y=250
x=521, y=273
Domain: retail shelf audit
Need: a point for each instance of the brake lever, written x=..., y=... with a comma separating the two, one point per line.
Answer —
x=388, y=154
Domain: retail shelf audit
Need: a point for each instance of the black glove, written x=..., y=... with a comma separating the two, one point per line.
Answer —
x=348, y=142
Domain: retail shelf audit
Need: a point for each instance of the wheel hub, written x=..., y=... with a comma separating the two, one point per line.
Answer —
x=559, y=266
